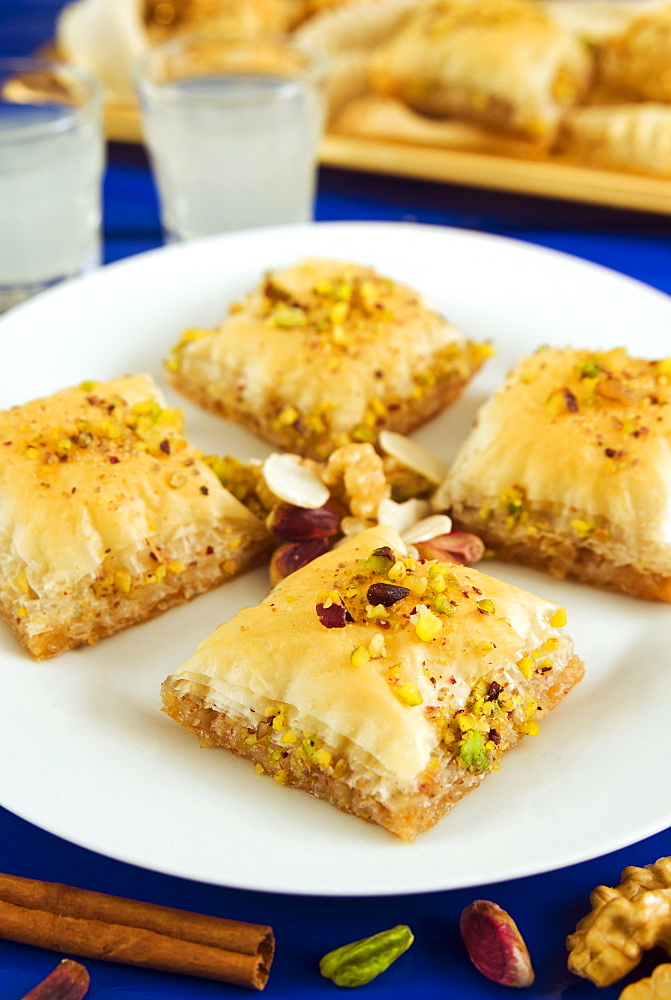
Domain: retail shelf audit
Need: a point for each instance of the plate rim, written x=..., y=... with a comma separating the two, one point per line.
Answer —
x=134, y=262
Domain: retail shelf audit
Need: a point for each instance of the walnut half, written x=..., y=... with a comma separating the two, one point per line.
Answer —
x=624, y=922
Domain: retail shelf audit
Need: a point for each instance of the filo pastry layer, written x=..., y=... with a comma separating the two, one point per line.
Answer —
x=389, y=711
x=108, y=515
x=325, y=352
x=568, y=468
x=503, y=63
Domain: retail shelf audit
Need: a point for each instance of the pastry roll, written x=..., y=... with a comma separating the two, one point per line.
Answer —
x=568, y=468
x=376, y=117
x=325, y=352
x=596, y=20
x=637, y=63
x=631, y=137
x=386, y=685
x=108, y=515
x=503, y=63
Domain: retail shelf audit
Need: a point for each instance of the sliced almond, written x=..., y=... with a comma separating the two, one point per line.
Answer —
x=413, y=456
x=401, y=516
x=293, y=482
x=427, y=528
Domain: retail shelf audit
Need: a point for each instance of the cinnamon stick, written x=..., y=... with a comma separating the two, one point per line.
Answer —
x=95, y=925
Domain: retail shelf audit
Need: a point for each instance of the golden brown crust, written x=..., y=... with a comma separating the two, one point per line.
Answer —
x=390, y=712
x=325, y=352
x=300, y=439
x=108, y=515
x=632, y=137
x=599, y=513
x=45, y=634
x=407, y=815
x=503, y=63
x=636, y=64
x=563, y=557
x=377, y=117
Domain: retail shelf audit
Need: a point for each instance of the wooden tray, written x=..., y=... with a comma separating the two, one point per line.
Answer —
x=545, y=178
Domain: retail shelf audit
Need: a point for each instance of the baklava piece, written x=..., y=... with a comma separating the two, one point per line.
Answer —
x=386, y=685
x=326, y=352
x=505, y=64
x=108, y=515
x=568, y=469
x=636, y=64
x=631, y=137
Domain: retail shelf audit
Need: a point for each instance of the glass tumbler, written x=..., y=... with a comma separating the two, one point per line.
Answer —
x=232, y=126
x=51, y=165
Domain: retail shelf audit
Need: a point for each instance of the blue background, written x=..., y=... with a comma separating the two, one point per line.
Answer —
x=546, y=907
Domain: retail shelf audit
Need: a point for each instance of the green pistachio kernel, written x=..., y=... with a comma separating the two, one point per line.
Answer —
x=589, y=370
x=358, y=963
x=288, y=316
x=362, y=433
x=443, y=605
x=379, y=561
x=472, y=752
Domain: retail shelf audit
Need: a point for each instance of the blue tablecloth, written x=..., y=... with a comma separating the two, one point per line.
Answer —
x=546, y=906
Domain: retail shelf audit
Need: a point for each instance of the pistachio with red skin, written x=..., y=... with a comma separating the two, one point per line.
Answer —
x=386, y=594
x=380, y=560
x=384, y=552
x=68, y=981
x=457, y=547
x=298, y=524
x=333, y=616
x=294, y=555
x=494, y=944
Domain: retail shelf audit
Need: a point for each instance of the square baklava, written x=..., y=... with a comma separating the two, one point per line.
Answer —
x=326, y=352
x=109, y=515
x=385, y=684
x=568, y=469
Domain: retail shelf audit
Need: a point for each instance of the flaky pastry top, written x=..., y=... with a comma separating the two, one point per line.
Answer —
x=373, y=679
x=585, y=437
x=96, y=476
x=504, y=62
x=327, y=335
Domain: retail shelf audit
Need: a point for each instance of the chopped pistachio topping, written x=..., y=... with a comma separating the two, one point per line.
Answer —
x=288, y=316
x=443, y=606
x=360, y=656
x=526, y=665
x=589, y=369
x=558, y=619
x=473, y=754
x=409, y=694
x=322, y=758
x=428, y=626
x=380, y=561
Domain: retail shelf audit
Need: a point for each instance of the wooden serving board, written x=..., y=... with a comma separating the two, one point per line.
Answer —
x=547, y=178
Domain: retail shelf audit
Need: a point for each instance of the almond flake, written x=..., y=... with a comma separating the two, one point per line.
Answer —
x=293, y=482
x=401, y=515
x=412, y=455
x=427, y=528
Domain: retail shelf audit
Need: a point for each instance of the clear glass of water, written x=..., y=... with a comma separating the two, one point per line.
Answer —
x=51, y=165
x=232, y=126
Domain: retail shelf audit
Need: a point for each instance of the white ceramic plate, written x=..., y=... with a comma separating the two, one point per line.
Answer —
x=84, y=750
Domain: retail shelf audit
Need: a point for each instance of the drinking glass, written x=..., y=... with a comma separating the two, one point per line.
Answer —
x=232, y=126
x=51, y=164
